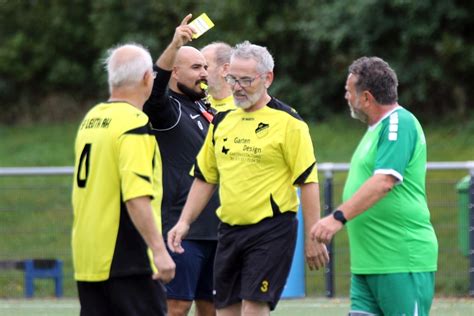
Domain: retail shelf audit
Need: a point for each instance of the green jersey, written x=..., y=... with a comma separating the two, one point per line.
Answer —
x=394, y=235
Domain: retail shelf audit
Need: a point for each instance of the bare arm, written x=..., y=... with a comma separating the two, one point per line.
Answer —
x=198, y=196
x=183, y=34
x=315, y=252
x=141, y=214
x=372, y=191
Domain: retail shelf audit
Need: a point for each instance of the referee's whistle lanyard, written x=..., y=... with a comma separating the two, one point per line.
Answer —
x=206, y=112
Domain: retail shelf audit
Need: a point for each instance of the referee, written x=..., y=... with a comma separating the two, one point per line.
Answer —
x=258, y=154
x=116, y=197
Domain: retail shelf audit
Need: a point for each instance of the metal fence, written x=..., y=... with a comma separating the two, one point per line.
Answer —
x=36, y=220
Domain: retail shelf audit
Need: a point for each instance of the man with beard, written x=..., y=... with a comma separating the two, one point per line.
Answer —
x=393, y=246
x=181, y=119
x=258, y=154
x=217, y=56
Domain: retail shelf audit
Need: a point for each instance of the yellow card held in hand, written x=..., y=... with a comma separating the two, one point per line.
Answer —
x=201, y=25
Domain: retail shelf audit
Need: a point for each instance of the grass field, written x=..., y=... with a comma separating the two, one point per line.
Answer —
x=296, y=307
x=36, y=216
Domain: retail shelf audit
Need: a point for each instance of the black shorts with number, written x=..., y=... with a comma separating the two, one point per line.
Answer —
x=253, y=261
x=128, y=296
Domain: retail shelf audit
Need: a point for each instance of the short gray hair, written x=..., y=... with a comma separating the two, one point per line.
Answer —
x=127, y=68
x=260, y=54
x=222, y=52
x=375, y=75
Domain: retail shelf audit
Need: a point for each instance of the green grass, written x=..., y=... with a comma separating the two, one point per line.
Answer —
x=36, y=215
x=300, y=307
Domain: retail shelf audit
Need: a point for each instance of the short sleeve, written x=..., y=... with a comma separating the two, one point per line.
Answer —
x=299, y=153
x=136, y=152
x=396, y=145
x=206, y=167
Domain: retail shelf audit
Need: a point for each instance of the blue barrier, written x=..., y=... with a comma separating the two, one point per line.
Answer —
x=295, y=284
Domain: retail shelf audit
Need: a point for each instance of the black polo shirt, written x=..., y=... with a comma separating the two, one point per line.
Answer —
x=181, y=127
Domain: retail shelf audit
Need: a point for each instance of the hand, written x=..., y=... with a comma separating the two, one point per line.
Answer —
x=325, y=229
x=183, y=33
x=165, y=265
x=176, y=235
x=316, y=254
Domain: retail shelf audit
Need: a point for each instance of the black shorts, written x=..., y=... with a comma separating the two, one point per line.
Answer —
x=131, y=295
x=253, y=261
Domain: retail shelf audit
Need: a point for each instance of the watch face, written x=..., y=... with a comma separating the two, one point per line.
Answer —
x=338, y=215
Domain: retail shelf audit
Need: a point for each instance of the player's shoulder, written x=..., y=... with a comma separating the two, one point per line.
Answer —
x=123, y=116
x=283, y=109
x=399, y=116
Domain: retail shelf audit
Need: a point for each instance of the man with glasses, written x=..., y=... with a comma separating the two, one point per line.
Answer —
x=181, y=119
x=116, y=197
x=258, y=154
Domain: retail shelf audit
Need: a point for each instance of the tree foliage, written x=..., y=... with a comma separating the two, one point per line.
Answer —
x=53, y=47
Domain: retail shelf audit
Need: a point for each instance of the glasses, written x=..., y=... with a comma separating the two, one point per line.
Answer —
x=243, y=82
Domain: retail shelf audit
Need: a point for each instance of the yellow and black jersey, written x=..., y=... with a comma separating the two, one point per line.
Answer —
x=117, y=159
x=257, y=158
x=221, y=105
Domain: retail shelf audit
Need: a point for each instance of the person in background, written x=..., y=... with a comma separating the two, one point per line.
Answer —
x=217, y=55
x=180, y=120
x=393, y=246
x=116, y=197
x=258, y=154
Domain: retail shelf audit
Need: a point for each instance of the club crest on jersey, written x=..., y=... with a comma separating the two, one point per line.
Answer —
x=262, y=129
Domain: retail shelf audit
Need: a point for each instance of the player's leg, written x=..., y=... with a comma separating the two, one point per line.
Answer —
x=267, y=260
x=204, y=299
x=181, y=290
x=93, y=298
x=409, y=294
x=363, y=302
x=231, y=310
x=255, y=308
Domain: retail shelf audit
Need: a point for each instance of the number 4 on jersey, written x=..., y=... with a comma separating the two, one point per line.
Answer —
x=81, y=178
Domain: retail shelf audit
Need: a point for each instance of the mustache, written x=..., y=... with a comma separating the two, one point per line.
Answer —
x=198, y=82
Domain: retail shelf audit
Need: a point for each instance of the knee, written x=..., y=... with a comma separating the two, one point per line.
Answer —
x=178, y=307
x=255, y=308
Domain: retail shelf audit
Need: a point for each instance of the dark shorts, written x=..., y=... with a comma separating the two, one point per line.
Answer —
x=194, y=270
x=128, y=296
x=253, y=262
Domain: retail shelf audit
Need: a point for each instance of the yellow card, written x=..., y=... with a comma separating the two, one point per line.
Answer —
x=201, y=24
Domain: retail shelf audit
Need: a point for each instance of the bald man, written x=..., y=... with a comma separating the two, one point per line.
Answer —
x=181, y=119
x=217, y=55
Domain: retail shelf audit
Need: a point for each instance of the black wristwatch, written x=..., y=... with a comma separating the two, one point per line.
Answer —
x=339, y=216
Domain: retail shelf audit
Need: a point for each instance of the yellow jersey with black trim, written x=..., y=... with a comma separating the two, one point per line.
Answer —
x=221, y=105
x=258, y=159
x=117, y=159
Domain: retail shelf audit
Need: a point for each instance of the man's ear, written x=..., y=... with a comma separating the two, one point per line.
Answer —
x=268, y=79
x=174, y=72
x=224, y=69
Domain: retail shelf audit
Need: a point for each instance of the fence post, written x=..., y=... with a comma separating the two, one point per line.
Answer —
x=471, y=233
x=329, y=271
